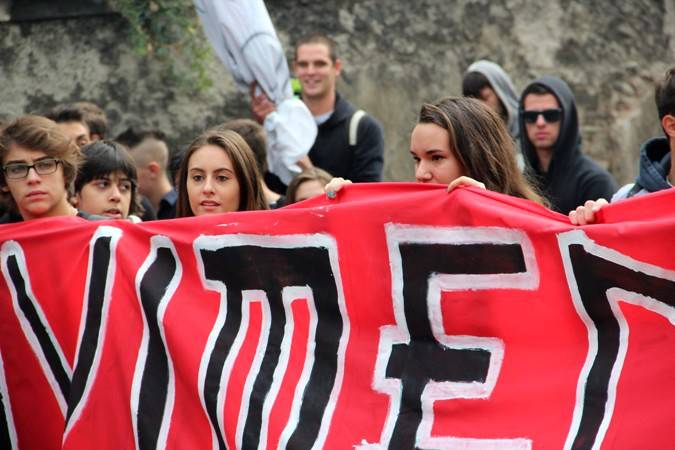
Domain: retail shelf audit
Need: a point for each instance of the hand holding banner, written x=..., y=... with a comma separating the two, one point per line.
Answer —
x=397, y=317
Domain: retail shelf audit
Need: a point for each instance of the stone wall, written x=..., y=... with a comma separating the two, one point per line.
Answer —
x=397, y=54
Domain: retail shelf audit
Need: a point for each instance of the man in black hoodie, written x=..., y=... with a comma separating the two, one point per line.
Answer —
x=551, y=145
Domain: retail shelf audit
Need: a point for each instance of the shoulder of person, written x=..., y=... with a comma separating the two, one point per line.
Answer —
x=589, y=172
x=361, y=124
x=627, y=191
x=368, y=120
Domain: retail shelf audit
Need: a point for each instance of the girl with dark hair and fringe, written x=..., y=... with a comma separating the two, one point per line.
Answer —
x=106, y=182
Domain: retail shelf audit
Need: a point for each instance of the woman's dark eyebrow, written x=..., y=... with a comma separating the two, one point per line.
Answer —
x=429, y=151
x=222, y=169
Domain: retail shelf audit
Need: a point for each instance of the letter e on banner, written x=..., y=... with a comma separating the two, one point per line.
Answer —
x=418, y=363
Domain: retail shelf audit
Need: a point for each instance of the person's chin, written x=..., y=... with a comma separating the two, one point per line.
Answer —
x=211, y=210
x=113, y=215
x=542, y=143
x=37, y=206
x=313, y=91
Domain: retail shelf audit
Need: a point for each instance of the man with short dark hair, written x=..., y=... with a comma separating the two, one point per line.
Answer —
x=657, y=171
x=70, y=121
x=350, y=143
x=551, y=145
x=151, y=155
x=95, y=118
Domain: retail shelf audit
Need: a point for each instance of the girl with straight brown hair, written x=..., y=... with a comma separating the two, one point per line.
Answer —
x=218, y=174
x=459, y=140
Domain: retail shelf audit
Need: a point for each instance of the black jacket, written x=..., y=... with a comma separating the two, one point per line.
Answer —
x=331, y=150
x=572, y=177
x=12, y=216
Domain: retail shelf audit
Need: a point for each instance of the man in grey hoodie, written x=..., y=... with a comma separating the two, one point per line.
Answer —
x=488, y=82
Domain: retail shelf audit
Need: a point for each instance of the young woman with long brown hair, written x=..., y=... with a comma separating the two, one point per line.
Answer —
x=462, y=141
x=218, y=174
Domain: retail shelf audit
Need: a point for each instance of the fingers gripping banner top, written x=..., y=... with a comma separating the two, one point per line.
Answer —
x=395, y=317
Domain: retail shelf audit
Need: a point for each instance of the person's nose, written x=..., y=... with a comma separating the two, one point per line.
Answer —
x=207, y=187
x=33, y=177
x=540, y=120
x=115, y=194
x=422, y=173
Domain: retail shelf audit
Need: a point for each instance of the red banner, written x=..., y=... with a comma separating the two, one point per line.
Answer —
x=395, y=317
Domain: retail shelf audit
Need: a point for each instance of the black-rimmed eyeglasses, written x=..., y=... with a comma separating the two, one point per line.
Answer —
x=16, y=171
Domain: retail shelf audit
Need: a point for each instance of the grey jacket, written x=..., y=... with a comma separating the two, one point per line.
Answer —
x=655, y=160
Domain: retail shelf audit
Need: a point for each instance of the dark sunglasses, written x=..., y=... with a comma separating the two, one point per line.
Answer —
x=550, y=115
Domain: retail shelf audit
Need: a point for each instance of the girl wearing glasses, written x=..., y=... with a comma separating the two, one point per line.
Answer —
x=106, y=182
x=218, y=174
x=462, y=141
x=39, y=164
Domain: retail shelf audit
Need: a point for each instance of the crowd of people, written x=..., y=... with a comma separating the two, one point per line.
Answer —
x=62, y=163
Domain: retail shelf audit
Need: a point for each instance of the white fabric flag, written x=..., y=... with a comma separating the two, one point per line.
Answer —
x=242, y=35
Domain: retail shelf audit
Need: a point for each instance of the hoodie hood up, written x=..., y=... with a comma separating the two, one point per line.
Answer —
x=572, y=177
x=655, y=160
x=503, y=87
x=568, y=146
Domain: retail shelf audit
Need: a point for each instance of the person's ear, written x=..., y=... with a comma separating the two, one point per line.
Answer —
x=75, y=200
x=338, y=66
x=154, y=168
x=668, y=124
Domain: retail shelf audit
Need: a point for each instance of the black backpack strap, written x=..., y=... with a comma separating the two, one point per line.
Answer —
x=634, y=190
